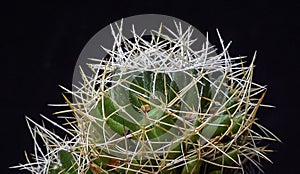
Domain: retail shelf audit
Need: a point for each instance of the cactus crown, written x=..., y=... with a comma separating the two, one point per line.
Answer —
x=155, y=105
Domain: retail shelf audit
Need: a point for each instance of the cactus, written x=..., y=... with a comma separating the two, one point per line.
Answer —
x=157, y=106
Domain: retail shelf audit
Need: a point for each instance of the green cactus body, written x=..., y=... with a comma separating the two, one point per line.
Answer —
x=193, y=167
x=68, y=164
x=230, y=159
x=161, y=115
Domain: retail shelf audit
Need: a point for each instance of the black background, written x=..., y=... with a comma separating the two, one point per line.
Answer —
x=40, y=43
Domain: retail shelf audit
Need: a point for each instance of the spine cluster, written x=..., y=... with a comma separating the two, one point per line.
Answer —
x=155, y=105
